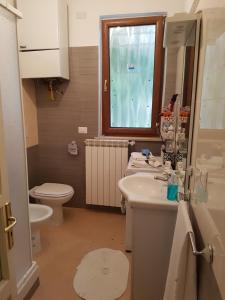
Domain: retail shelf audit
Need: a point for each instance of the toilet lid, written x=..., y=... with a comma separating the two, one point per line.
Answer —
x=54, y=190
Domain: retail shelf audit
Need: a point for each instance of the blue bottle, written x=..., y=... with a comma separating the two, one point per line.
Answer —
x=172, y=188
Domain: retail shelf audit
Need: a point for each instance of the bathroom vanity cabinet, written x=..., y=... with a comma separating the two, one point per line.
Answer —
x=43, y=38
x=131, y=169
x=152, y=230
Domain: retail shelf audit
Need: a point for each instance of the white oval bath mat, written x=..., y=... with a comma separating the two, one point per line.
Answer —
x=102, y=275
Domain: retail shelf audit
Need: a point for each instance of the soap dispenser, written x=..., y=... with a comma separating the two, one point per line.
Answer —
x=172, y=188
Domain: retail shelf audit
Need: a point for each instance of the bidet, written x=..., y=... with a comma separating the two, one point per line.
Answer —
x=38, y=214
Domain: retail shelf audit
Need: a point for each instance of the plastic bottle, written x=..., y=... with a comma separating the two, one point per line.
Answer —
x=172, y=188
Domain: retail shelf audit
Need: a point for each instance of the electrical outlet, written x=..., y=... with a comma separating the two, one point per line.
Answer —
x=83, y=130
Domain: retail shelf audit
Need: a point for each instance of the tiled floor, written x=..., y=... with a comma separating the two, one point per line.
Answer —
x=63, y=248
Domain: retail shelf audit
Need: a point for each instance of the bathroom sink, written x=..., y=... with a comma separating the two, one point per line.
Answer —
x=144, y=189
x=140, y=184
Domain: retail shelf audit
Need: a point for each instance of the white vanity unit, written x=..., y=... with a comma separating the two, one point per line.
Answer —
x=153, y=222
x=43, y=38
x=131, y=169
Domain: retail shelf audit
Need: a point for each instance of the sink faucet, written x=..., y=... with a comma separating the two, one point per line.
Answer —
x=164, y=177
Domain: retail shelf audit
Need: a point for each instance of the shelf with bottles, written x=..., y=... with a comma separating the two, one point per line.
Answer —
x=184, y=115
x=168, y=153
x=168, y=125
x=173, y=126
x=174, y=131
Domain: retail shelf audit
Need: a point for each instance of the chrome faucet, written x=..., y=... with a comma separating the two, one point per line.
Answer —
x=162, y=177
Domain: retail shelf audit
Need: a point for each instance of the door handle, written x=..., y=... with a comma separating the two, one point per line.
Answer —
x=105, y=86
x=10, y=223
x=10, y=227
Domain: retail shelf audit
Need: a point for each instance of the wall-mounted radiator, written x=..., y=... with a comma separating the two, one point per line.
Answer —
x=106, y=162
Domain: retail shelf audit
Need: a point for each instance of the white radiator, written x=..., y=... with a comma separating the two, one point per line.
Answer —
x=106, y=162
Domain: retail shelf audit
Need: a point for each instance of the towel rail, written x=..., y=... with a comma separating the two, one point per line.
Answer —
x=207, y=252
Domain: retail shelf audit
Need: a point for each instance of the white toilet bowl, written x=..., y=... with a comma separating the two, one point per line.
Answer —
x=53, y=195
x=39, y=214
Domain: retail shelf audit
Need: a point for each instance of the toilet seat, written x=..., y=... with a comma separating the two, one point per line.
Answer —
x=53, y=195
x=54, y=190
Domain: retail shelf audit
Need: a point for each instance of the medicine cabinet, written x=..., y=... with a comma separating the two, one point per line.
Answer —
x=181, y=48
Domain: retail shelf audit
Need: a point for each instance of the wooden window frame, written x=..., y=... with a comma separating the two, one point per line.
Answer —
x=157, y=79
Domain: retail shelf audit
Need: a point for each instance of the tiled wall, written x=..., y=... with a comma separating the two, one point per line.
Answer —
x=32, y=165
x=58, y=122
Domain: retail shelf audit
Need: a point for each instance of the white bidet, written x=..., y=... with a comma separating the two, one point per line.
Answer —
x=39, y=214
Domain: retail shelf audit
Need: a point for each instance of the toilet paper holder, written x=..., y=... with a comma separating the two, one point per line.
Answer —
x=72, y=148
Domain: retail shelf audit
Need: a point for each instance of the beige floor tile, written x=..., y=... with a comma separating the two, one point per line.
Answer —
x=63, y=248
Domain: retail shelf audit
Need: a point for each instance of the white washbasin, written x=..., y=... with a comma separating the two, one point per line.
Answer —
x=39, y=214
x=143, y=189
x=140, y=184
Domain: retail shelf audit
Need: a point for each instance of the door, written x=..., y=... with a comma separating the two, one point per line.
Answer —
x=7, y=222
x=8, y=16
x=208, y=154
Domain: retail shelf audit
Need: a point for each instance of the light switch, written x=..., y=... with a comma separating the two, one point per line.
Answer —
x=83, y=130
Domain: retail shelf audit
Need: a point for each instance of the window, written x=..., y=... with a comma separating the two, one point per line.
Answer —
x=132, y=69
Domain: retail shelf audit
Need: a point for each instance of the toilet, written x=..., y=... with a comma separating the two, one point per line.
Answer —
x=53, y=195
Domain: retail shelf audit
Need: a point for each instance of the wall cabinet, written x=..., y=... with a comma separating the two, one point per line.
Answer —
x=43, y=38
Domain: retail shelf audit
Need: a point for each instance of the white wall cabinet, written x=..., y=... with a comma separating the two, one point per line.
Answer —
x=43, y=38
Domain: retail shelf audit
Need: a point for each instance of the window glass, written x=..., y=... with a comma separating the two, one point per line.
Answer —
x=131, y=51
